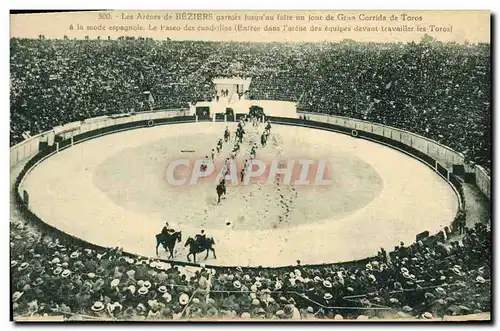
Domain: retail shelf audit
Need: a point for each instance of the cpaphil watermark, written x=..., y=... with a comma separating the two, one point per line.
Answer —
x=185, y=172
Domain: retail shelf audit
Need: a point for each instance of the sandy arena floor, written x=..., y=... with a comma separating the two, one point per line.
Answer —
x=112, y=191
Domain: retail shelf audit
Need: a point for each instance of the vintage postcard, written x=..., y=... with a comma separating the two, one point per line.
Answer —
x=250, y=165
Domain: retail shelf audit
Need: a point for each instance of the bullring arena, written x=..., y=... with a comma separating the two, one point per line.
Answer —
x=111, y=191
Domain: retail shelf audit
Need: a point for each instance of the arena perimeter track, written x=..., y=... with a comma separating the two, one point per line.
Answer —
x=110, y=191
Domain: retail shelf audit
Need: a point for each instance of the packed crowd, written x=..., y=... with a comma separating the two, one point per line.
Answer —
x=441, y=91
x=428, y=279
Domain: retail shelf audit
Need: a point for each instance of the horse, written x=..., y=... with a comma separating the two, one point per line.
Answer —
x=168, y=241
x=194, y=247
x=221, y=190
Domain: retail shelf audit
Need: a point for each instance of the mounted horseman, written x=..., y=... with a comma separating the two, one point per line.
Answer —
x=221, y=190
x=199, y=244
x=167, y=238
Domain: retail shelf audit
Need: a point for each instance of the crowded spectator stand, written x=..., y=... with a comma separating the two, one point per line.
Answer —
x=441, y=91
x=51, y=277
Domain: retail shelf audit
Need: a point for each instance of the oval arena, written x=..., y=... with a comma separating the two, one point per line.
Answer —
x=105, y=184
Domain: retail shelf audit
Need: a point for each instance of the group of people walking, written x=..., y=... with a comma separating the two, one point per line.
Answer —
x=221, y=187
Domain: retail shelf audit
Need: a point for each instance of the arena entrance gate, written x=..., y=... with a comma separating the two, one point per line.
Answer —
x=203, y=113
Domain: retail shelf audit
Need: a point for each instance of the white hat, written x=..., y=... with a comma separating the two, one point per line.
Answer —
x=327, y=296
x=427, y=315
x=97, y=306
x=183, y=299
x=327, y=284
x=143, y=290
x=23, y=266
x=115, y=282
x=440, y=290
x=237, y=284
x=162, y=289
x=245, y=315
x=16, y=296
x=480, y=280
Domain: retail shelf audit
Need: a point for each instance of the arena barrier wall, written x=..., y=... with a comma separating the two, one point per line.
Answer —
x=28, y=148
x=444, y=155
x=395, y=139
x=29, y=152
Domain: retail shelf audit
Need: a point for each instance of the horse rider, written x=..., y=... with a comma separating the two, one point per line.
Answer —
x=166, y=229
x=227, y=134
x=201, y=238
